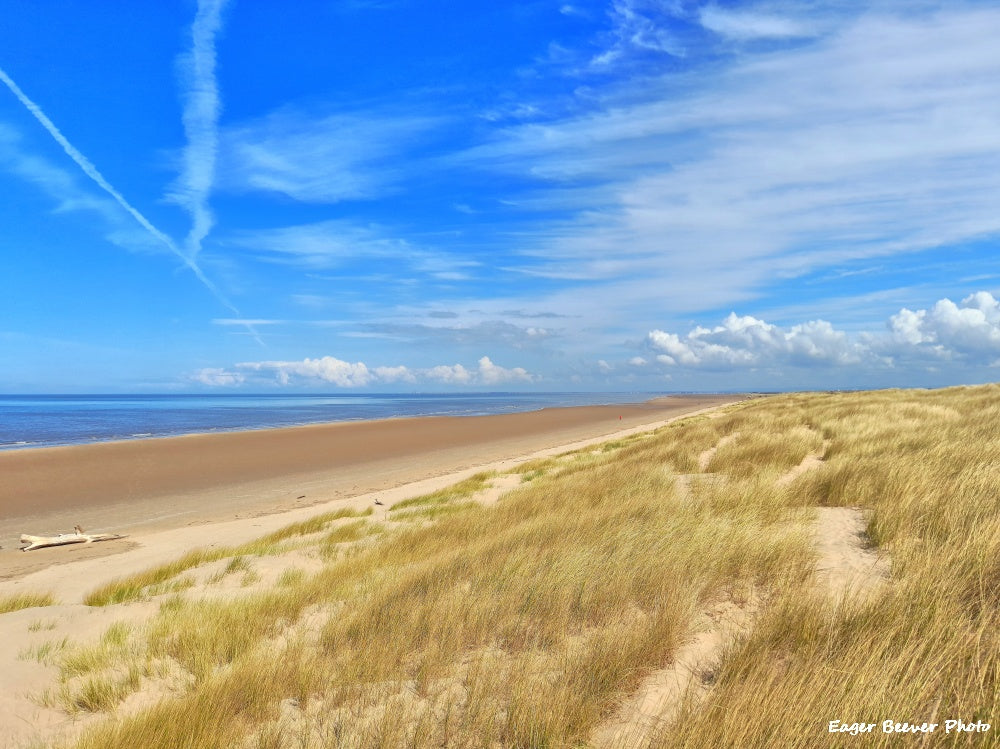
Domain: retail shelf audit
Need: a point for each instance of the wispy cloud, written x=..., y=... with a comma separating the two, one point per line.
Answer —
x=335, y=243
x=321, y=158
x=637, y=26
x=64, y=188
x=201, y=119
x=228, y=321
x=496, y=332
x=217, y=377
x=874, y=138
x=92, y=172
x=754, y=23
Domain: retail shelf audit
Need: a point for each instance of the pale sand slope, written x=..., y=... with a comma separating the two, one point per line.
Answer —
x=137, y=486
x=23, y=720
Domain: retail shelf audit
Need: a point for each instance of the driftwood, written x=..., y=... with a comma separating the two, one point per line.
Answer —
x=77, y=537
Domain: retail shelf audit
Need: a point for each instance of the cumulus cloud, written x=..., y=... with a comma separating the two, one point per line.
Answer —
x=968, y=332
x=395, y=374
x=329, y=369
x=947, y=330
x=325, y=369
x=493, y=374
x=749, y=342
x=454, y=373
x=487, y=373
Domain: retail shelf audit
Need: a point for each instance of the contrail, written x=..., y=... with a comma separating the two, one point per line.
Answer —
x=91, y=171
x=201, y=121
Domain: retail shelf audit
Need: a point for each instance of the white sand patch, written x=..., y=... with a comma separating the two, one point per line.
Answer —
x=847, y=566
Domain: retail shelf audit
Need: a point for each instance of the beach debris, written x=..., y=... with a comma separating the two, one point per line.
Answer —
x=378, y=502
x=76, y=537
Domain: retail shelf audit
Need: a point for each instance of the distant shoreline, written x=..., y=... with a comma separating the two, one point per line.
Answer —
x=48, y=424
x=131, y=485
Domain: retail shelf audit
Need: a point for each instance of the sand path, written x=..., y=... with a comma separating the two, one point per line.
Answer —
x=846, y=567
x=662, y=694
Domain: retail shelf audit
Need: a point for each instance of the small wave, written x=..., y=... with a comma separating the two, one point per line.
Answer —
x=15, y=445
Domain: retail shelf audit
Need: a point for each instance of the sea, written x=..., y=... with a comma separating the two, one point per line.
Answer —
x=29, y=421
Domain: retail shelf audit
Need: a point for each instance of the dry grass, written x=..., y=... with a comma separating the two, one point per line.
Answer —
x=20, y=601
x=525, y=624
x=157, y=581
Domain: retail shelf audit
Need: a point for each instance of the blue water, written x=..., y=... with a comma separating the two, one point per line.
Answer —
x=45, y=420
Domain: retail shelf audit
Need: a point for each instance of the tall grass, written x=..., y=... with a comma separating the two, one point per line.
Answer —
x=18, y=601
x=927, y=648
x=151, y=582
x=527, y=623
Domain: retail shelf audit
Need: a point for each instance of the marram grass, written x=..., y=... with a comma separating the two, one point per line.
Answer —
x=19, y=601
x=527, y=623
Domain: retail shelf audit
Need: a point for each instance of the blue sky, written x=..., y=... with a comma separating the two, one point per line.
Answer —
x=399, y=195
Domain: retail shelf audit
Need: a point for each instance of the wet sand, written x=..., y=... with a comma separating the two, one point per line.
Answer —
x=142, y=485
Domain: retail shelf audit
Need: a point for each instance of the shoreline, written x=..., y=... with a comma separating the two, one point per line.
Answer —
x=146, y=436
x=139, y=487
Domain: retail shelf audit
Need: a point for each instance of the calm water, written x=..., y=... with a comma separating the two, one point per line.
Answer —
x=43, y=420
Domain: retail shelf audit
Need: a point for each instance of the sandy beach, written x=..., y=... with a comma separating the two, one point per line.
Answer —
x=201, y=491
x=140, y=486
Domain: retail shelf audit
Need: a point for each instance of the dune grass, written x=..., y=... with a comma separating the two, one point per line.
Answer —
x=19, y=601
x=156, y=581
x=460, y=490
x=526, y=623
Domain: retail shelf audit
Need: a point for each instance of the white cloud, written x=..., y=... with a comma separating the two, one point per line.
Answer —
x=200, y=118
x=745, y=342
x=395, y=374
x=751, y=24
x=968, y=332
x=452, y=374
x=876, y=138
x=483, y=333
x=319, y=159
x=325, y=369
x=217, y=377
x=333, y=243
x=30, y=167
x=637, y=27
x=329, y=369
x=493, y=374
